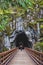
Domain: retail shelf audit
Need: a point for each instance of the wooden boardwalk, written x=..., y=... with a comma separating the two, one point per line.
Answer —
x=22, y=58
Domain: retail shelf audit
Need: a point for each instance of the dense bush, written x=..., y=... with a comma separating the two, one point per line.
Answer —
x=39, y=46
x=4, y=49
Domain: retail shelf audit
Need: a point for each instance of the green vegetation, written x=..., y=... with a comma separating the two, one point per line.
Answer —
x=41, y=26
x=11, y=9
x=16, y=8
x=4, y=49
x=39, y=46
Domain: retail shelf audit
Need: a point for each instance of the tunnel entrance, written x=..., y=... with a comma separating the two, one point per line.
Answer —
x=22, y=39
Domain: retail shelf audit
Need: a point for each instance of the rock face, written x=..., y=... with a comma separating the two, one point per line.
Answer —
x=7, y=42
x=1, y=43
x=22, y=39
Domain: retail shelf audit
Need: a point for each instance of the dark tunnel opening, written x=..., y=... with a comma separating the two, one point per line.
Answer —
x=22, y=39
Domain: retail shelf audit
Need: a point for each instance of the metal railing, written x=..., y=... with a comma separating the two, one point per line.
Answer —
x=5, y=57
x=35, y=55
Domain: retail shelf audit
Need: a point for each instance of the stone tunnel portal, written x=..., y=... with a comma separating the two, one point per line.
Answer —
x=22, y=39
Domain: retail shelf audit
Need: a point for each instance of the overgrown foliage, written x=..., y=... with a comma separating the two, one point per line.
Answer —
x=39, y=46
x=16, y=7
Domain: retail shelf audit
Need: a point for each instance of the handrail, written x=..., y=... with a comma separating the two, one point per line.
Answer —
x=5, y=57
x=35, y=55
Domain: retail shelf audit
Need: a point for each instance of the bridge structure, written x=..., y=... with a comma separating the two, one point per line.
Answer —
x=27, y=56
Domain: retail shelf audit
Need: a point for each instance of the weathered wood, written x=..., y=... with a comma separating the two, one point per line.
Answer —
x=35, y=55
x=5, y=57
x=22, y=58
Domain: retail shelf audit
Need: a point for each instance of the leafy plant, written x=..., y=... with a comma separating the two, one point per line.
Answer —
x=16, y=7
x=39, y=46
x=4, y=19
x=5, y=49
